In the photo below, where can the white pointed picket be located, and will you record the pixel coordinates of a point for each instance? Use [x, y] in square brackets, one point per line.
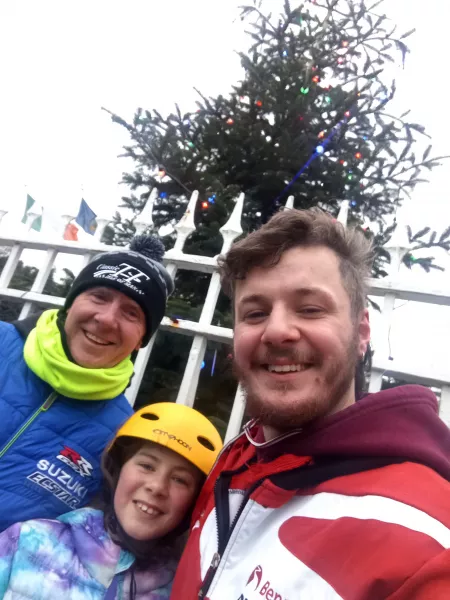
[145, 219]
[102, 223]
[188, 387]
[185, 225]
[290, 202]
[40, 280]
[10, 265]
[236, 416]
[183, 229]
[397, 247]
[3, 212]
[343, 213]
[230, 231]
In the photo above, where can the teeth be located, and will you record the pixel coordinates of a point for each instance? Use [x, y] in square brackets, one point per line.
[286, 368]
[147, 509]
[94, 338]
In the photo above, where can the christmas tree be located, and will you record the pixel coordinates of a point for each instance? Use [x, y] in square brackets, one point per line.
[310, 118]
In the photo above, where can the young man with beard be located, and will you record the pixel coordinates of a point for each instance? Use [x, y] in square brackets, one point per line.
[62, 380]
[320, 496]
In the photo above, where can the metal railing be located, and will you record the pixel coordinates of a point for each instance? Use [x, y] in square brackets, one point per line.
[390, 288]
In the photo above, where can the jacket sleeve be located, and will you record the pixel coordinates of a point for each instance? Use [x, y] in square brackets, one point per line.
[431, 581]
[9, 542]
[8, 341]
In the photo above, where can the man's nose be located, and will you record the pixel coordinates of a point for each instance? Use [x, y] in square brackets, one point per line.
[281, 328]
[107, 315]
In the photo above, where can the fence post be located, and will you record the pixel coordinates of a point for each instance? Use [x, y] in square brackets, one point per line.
[237, 415]
[10, 265]
[184, 228]
[2, 214]
[397, 247]
[343, 213]
[145, 219]
[230, 231]
[40, 281]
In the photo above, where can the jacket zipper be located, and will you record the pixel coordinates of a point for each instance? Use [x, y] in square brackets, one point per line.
[47, 404]
[224, 530]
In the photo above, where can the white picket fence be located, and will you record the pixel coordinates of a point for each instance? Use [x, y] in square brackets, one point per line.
[389, 288]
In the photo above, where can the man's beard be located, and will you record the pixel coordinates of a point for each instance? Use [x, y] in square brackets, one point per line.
[336, 381]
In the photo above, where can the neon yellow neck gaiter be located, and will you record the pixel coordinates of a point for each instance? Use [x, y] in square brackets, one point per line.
[44, 354]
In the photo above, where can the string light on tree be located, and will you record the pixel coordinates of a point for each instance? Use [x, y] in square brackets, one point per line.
[212, 199]
[205, 204]
[230, 121]
[258, 103]
[304, 90]
[321, 135]
[344, 43]
[358, 155]
[284, 53]
[340, 60]
[161, 172]
[320, 149]
[163, 194]
[316, 79]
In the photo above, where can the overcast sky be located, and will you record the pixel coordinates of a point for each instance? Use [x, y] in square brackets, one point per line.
[61, 61]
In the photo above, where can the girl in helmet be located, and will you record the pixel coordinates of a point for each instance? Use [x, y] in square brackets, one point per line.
[153, 471]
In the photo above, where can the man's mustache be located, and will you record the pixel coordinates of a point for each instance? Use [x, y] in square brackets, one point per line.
[293, 356]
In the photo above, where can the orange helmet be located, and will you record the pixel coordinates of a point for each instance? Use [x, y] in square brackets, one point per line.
[180, 428]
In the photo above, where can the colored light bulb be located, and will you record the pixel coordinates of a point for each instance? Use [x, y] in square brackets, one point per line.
[321, 135]
[358, 155]
[316, 79]
[205, 204]
[258, 103]
[230, 121]
[320, 149]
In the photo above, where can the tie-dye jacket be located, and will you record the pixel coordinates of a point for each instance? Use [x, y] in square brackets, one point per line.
[73, 558]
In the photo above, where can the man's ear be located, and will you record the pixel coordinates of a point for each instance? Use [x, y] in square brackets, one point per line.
[363, 332]
[139, 346]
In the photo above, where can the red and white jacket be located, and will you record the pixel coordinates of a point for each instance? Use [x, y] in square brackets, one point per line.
[355, 507]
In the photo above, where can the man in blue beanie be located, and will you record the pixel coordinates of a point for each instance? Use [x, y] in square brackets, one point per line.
[62, 380]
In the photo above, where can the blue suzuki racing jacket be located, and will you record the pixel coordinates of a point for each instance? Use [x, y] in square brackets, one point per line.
[50, 445]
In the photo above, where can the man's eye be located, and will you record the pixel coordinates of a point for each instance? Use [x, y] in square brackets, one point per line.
[254, 315]
[311, 310]
[99, 297]
[132, 315]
